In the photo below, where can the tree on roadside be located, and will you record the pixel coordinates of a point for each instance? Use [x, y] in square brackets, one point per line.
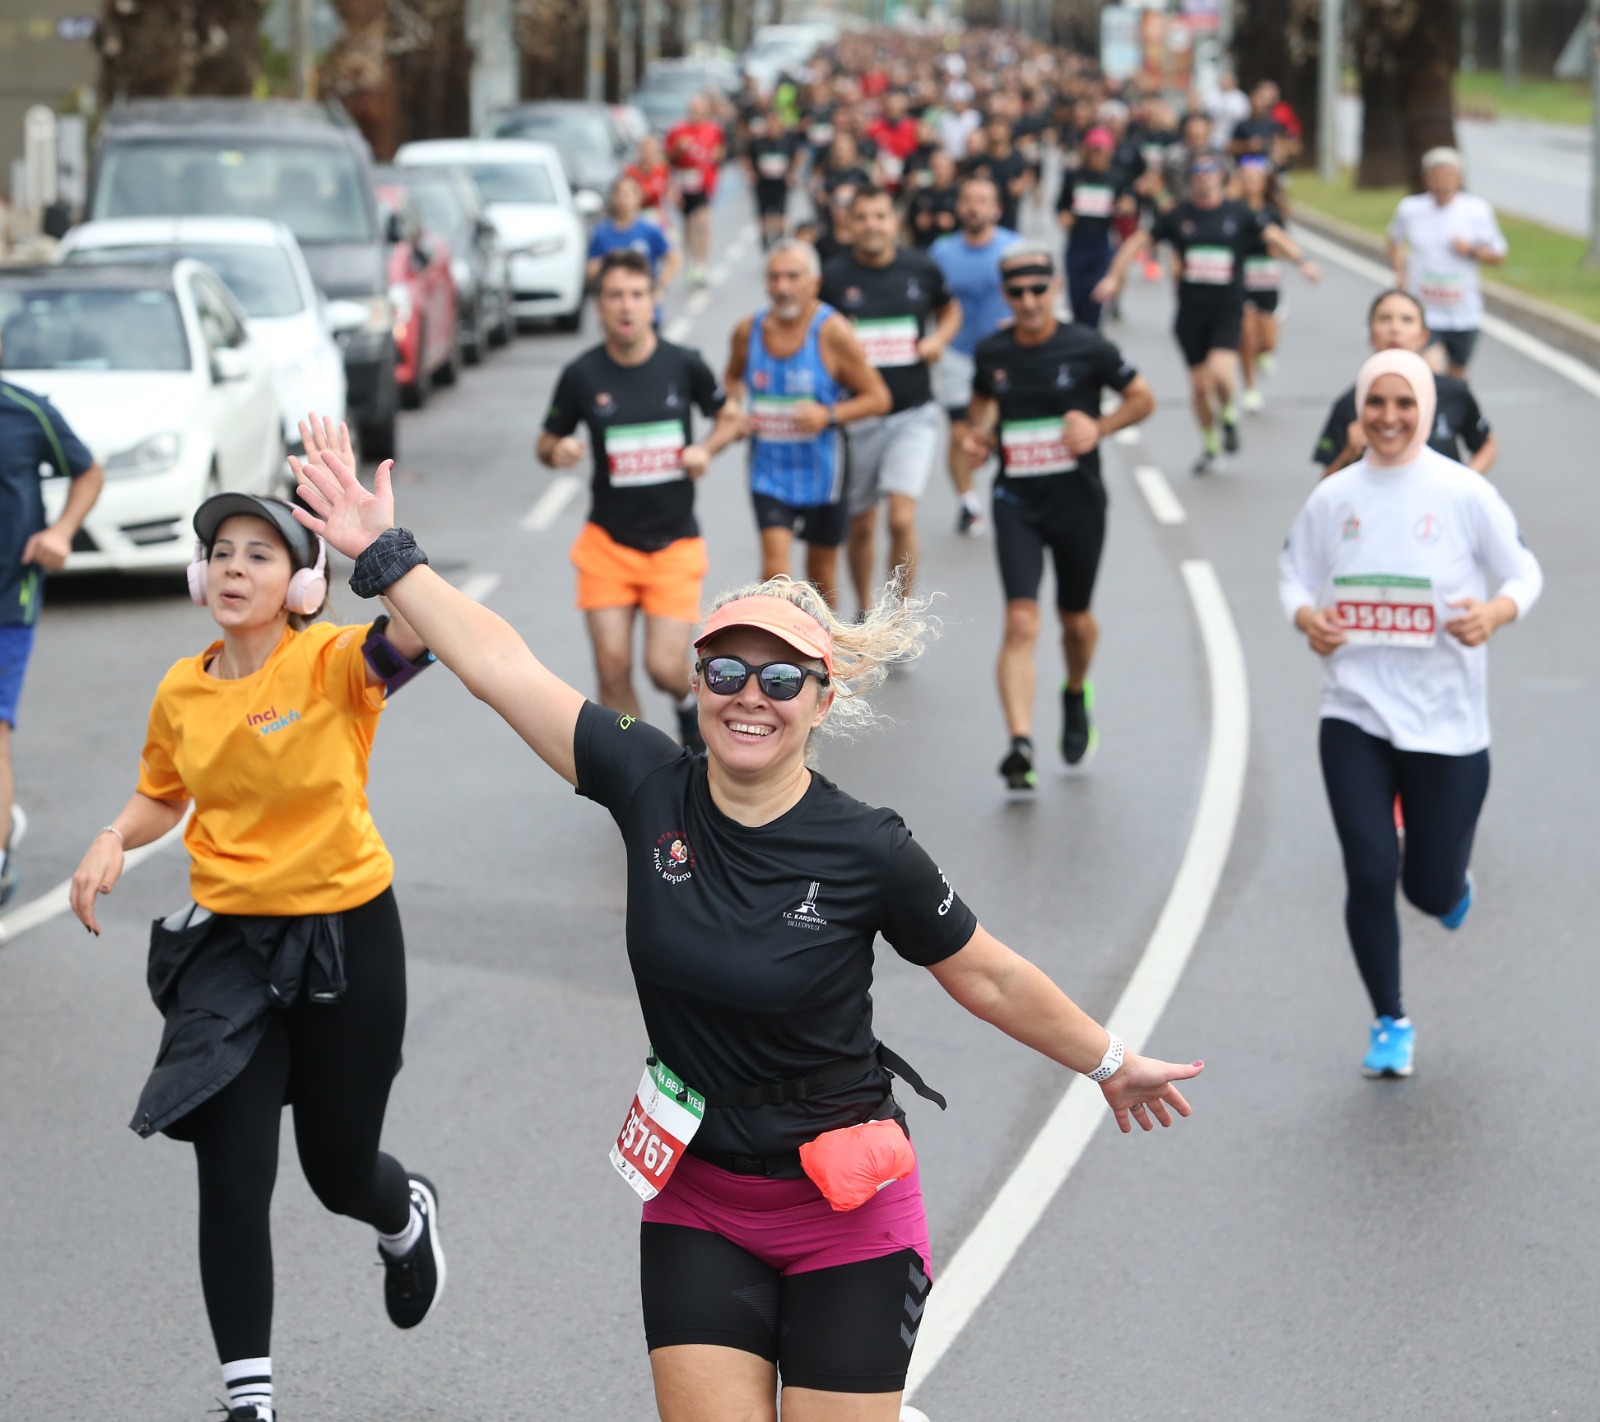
[162, 48]
[1406, 54]
[1281, 40]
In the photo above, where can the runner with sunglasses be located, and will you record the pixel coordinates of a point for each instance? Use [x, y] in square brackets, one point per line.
[285, 980]
[1036, 394]
[765, 1122]
[1211, 236]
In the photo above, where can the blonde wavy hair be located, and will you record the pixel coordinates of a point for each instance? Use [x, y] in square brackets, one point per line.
[896, 628]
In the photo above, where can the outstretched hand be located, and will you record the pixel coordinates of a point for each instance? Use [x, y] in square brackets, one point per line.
[348, 516]
[1143, 1092]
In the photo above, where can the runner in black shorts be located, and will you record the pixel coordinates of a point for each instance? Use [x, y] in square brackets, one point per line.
[1036, 394]
[1211, 237]
[771, 157]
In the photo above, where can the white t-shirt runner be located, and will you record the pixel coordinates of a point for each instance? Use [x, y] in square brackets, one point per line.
[1389, 550]
[1448, 284]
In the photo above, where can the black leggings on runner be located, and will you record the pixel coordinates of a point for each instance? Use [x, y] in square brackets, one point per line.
[848, 1328]
[1440, 797]
[335, 1062]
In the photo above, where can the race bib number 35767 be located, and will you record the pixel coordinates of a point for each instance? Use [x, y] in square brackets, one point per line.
[661, 1122]
[1385, 610]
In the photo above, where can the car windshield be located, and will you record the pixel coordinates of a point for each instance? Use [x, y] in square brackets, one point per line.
[514, 182]
[575, 134]
[320, 194]
[262, 278]
[91, 328]
[441, 213]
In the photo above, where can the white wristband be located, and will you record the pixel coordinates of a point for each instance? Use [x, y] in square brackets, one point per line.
[1111, 1063]
[112, 829]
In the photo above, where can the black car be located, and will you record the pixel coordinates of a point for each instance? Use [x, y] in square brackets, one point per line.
[305, 165]
[453, 210]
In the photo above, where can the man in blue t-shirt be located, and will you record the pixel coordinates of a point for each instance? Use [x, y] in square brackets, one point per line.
[970, 260]
[35, 444]
[626, 228]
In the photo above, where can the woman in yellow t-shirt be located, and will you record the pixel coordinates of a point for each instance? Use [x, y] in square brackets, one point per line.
[285, 980]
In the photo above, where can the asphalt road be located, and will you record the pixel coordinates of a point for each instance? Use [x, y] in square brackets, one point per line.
[1309, 1245]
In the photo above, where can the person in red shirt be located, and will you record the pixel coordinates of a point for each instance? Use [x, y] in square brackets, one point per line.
[895, 133]
[695, 151]
[650, 171]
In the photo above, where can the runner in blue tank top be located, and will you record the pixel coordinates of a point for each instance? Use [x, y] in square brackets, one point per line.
[798, 372]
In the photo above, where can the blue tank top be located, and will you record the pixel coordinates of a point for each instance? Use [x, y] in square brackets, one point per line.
[802, 470]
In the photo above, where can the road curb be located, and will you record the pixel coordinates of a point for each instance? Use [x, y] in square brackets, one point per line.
[1549, 323]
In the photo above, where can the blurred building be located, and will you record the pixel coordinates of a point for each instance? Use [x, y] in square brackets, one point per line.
[47, 56]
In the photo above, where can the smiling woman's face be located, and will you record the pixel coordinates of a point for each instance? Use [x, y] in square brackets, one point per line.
[751, 733]
[1389, 416]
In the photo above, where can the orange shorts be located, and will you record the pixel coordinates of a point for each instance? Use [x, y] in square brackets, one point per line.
[664, 584]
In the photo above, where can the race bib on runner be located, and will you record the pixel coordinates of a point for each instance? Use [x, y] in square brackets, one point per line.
[819, 134]
[662, 1120]
[772, 419]
[1385, 610]
[1035, 447]
[1262, 274]
[891, 341]
[1092, 200]
[772, 165]
[645, 454]
[891, 165]
[691, 180]
[1208, 266]
[1443, 290]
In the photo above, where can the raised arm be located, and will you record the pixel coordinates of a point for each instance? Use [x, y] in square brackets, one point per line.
[480, 647]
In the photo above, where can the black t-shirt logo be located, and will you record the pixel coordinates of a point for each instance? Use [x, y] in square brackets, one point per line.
[1064, 377]
[603, 402]
[913, 290]
[674, 858]
[671, 400]
[999, 379]
[807, 915]
[852, 296]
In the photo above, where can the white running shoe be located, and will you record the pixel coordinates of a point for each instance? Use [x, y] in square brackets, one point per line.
[913, 1414]
[1252, 401]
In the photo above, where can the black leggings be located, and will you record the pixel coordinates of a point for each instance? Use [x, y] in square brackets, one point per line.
[335, 1063]
[1440, 797]
[849, 1328]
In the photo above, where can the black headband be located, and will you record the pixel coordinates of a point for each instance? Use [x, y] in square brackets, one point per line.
[1028, 267]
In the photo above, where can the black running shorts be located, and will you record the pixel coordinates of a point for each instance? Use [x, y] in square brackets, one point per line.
[822, 524]
[1201, 329]
[1070, 522]
[842, 1329]
[772, 198]
[1266, 302]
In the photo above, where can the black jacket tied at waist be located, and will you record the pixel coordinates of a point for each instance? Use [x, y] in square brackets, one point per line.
[215, 978]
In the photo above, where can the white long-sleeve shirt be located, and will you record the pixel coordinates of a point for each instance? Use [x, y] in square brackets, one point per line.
[1390, 549]
[1447, 284]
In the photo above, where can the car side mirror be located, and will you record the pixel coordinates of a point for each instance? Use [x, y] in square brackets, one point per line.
[588, 204]
[228, 365]
[346, 316]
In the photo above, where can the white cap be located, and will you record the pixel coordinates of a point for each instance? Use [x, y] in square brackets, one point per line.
[1441, 158]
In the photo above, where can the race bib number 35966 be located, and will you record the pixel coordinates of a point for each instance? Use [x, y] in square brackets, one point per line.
[661, 1122]
[1385, 610]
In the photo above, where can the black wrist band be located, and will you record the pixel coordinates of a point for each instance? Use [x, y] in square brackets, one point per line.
[387, 559]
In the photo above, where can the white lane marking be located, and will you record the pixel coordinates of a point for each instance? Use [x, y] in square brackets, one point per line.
[1158, 494]
[1021, 1202]
[717, 275]
[697, 303]
[551, 502]
[1585, 377]
[57, 901]
[480, 585]
[1128, 435]
[677, 328]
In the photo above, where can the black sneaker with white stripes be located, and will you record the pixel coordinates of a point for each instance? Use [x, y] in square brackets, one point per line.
[414, 1281]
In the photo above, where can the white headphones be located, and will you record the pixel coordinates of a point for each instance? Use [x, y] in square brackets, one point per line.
[306, 591]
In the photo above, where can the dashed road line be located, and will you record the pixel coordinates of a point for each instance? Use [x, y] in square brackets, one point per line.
[1164, 505]
[697, 303]
[480, 585]
[678, 328]
[551, 502]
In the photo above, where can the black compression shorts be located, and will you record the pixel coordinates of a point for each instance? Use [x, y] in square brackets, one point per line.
[841, 1329]
[1203, 329]
[772, 198]
[1071, 523]
[822, 524]
[1266, 302]
[693, 202]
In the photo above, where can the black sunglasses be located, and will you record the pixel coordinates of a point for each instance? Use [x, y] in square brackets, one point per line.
[1032, 288]
[782, 681]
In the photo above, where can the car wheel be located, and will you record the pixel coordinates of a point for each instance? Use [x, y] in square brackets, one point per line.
[377, 440]
[413, 395]
[446, 373]
[572, 320]
[503, 329]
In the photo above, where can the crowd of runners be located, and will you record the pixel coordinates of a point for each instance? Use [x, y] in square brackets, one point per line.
[914, 322]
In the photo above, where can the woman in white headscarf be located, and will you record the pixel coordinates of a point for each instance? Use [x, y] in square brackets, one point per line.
[1388, 571]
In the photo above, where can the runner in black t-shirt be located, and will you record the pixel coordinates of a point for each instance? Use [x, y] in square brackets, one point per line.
[891, 294]
[1210, 237]
[931, 208]
[1007, 169]
[1396, 321]
[756, 889]
[771, 157]
[1036, 397]
[641, 548]
[1088, 202]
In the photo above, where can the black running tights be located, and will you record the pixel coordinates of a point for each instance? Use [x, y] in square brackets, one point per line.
[1440, 797]
[335, 1063]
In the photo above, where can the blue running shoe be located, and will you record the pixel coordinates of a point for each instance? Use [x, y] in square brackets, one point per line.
[1390, 1047]
[1454, 919]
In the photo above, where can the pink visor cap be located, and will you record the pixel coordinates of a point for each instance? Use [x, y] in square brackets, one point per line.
[778, 616]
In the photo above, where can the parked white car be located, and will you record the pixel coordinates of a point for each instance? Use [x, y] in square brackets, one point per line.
[530, 203]
[263, 267]
[155, 370]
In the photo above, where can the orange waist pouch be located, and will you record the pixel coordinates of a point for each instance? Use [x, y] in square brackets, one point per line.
[850, 1165]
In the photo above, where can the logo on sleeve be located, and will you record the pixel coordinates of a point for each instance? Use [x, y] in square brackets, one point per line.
[674, 858]
[807, 915]
[949, 896]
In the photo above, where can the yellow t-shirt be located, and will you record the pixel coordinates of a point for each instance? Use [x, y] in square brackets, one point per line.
[276, 764]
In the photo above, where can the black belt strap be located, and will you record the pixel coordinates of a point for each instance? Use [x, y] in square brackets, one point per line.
[778, 1093]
